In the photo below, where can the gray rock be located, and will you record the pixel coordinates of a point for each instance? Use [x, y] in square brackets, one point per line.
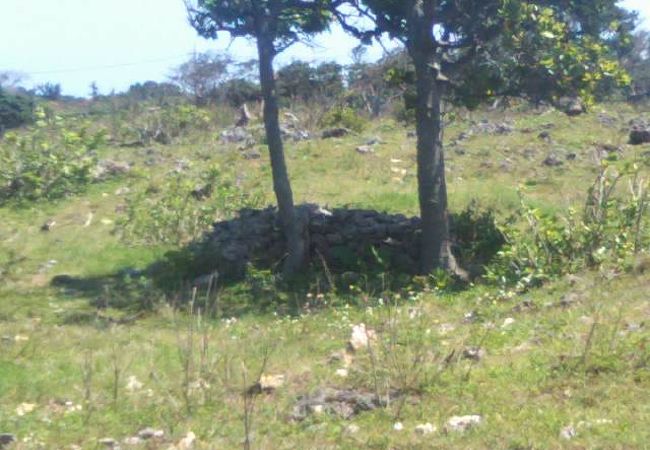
[6, 439]
[150, 433]
[109, 443]
[110, 168]
[365, 149]
[474, 353]
[345, 403]
[572, 106]
[251, 154]
[639, 132]
[48, 225]
[236, 135]
[460, 424]
[552, 160]
[335, 133]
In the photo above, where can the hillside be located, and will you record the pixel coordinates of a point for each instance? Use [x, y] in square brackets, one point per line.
[95, 349]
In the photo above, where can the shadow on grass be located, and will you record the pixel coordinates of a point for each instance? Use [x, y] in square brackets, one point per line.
[232, 270]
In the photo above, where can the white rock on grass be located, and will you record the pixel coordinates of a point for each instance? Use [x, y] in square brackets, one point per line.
[108, 443]
[398, 426]
[361, 337]
[343, 373]
[568, 433]
[425, 428]
[461, 424]
[352, 429]
[25, 408]
[187, 442]
[133, 441]
[269, 383]
[507, 322]
[133, 384]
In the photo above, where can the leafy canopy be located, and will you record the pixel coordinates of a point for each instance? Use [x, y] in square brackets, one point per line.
[285, 21]
[542, 49]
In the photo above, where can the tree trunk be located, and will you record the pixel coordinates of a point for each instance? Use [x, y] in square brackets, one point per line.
[281, 184]
[435, 246]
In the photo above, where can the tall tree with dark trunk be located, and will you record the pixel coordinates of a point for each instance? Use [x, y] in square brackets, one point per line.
[275, 25]
[471, 50]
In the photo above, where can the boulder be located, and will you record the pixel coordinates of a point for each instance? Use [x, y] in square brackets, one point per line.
[338, 132]
[639, 133]
[572, 106]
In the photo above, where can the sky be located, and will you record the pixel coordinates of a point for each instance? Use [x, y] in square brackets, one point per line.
[116, 43]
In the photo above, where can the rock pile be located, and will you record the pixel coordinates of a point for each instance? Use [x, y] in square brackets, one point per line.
[639, 132]
[341, 237]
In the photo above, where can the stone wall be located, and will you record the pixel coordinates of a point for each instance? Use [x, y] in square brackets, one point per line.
[342, 238]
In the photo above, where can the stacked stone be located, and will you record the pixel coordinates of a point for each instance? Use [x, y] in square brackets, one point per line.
[255, 237]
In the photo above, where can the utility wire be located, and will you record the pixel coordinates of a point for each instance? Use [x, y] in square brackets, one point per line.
[110, 66]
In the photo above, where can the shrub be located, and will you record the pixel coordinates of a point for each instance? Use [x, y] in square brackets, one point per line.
[346, 117]
[50, 163]
[184, 209]
[609, 233]
[15, 110]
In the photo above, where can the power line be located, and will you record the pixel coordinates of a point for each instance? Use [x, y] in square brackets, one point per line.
[110, 66]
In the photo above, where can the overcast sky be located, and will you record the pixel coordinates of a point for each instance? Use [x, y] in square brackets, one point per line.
[119, 42]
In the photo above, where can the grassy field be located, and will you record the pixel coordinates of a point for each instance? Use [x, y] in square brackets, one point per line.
[566, 365]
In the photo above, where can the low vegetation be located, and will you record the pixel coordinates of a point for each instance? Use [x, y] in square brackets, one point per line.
[547, 348]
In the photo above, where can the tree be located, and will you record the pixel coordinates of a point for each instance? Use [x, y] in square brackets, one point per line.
[94, 90]
[275, 25]
[49, 91]
[201, 75]
[472, 50]
[160, 93]
[637, 63]
[373, 86]
[10, 79]
[15, 110]
[299, 81]
[238, 91]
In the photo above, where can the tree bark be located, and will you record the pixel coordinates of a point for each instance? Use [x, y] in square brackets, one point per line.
[281, 184]
[435, 246]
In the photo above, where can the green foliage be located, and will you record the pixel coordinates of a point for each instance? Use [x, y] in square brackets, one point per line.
[538, 50]
[290, 20]
[15, 110]
[52, 162]
[49, 91]
[180, 210]
[476, 235]
[608, 233]
[159, 93]
[637, 63]
[238, 91]
[346, 117]
[201, 75]
[551, 58]
[300, 81]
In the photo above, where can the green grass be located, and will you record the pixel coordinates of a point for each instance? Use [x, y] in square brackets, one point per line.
[584, 364]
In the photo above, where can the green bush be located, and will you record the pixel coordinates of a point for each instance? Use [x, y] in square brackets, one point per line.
[15, 110]
[51, 162]
[345, 117]
[183, 209]
[608, 233]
